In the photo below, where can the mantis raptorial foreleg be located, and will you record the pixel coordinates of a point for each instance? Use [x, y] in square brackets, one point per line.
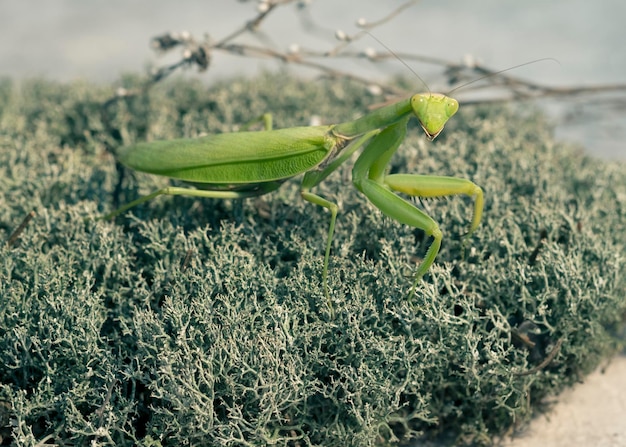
[438, 186]
[369, 177]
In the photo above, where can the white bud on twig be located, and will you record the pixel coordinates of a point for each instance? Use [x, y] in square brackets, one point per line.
[469, 61]
[263, 6]
[340, 35]
[361, 22]
[374, 90]
[370, 53]
[315, 120]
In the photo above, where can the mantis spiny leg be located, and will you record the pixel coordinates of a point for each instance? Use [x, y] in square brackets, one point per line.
[369, 177]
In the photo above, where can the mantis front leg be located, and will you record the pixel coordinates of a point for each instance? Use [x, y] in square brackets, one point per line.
[369, 177]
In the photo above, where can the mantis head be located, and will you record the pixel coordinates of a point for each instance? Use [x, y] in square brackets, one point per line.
[433, 110]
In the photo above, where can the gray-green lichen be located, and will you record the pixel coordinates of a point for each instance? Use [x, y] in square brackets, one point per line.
[203, 322]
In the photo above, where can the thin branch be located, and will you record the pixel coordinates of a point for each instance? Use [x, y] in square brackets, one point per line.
[366, 27]
[18, 231]
[199, 54]
[555, 350]
[251, 25]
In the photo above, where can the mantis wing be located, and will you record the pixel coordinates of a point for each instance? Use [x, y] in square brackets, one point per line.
[231, 158]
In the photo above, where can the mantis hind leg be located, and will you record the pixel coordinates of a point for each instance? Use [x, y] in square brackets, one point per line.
[253, 191]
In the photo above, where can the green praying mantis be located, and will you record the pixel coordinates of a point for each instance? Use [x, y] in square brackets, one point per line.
[247, 164]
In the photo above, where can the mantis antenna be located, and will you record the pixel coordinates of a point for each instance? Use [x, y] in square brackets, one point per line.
[502, 71]
[400, 59]
[462, 85]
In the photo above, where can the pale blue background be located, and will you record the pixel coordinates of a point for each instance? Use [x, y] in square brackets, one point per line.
[97, 40]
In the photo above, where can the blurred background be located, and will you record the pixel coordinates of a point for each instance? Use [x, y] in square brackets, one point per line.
[96, 40]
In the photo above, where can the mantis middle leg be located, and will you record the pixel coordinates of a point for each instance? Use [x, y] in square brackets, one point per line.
[314, 178]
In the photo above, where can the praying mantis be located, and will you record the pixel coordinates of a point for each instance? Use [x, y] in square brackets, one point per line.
[247, 164]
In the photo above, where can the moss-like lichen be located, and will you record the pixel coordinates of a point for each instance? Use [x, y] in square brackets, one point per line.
[203, 322]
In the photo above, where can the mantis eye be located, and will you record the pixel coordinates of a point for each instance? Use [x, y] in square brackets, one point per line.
[419, 104]
[452, 106]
